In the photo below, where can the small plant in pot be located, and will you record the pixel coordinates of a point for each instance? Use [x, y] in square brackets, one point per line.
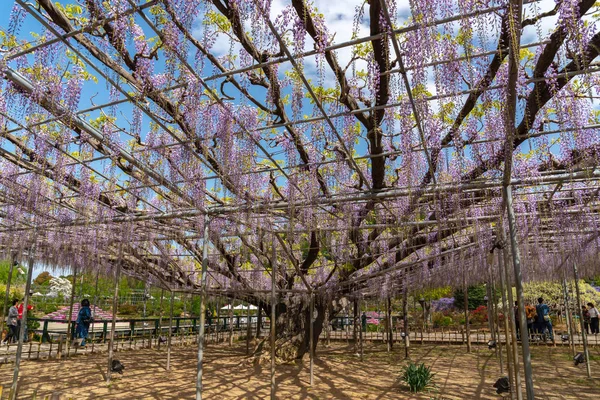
[418, 377]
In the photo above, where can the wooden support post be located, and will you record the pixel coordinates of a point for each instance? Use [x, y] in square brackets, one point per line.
[111, 342]
[466, 310]
[14, 387]
[199, 386]
[218, 325]
[496, 324]
[311, 339]
[13, 263]
[583, 333]
[512, 323]
[160, 316]
[259, 321]
[390, 339]
[70, 316]
[361, 344]
[514, 17]
[248, 330]
[94, 309]
[273, 318]
[505, 311]
[327, 325]
[356, 326]
[230, 312]
[405, 317]
[568, 316]
[170, 332]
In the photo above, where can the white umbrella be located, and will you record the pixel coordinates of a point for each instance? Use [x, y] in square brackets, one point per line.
[37, 294]
[227, 307]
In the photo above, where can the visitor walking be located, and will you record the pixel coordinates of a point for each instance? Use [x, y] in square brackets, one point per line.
[585, 317]
[84, 319]
[543, 318]
[12, 322]
[363, 319]
[19, 323]
[530, 313]
[593, 319]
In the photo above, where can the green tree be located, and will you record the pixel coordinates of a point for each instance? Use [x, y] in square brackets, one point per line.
[476, 297]
[43, 278]
[19, 273]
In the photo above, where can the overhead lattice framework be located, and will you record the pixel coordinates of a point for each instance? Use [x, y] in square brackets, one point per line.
[365, 144]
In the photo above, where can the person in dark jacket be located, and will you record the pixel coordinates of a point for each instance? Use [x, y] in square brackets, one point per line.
[84, 319]
[543, 318]
[585, 315]
[12, 322]
[363, 320]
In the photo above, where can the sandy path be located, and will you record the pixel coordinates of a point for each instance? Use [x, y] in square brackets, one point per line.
[338, 375]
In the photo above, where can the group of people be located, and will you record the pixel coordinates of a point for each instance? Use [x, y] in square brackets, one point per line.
[539, 321]
[590, 317]
[13, 321]
[15, 316]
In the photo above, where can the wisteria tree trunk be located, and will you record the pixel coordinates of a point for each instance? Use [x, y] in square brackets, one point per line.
[293, 339]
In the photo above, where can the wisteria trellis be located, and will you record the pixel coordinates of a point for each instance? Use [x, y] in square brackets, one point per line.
[371, 159]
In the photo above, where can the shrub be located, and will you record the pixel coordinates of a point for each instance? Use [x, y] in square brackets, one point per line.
[442, 320]
[479, 315]
[418, 377]
[127, 309]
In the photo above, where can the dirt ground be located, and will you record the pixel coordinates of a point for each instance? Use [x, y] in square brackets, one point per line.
[338, 375]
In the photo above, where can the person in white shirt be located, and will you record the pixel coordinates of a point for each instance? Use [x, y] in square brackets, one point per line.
[593, 318]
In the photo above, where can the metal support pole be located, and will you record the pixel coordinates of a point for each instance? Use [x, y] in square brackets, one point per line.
[273, 318]
[583, 333]
[505, 311]
[202, 311]
[14, 387]
[311, 339]
[70, 318]
[111, 342]
[170, 332]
